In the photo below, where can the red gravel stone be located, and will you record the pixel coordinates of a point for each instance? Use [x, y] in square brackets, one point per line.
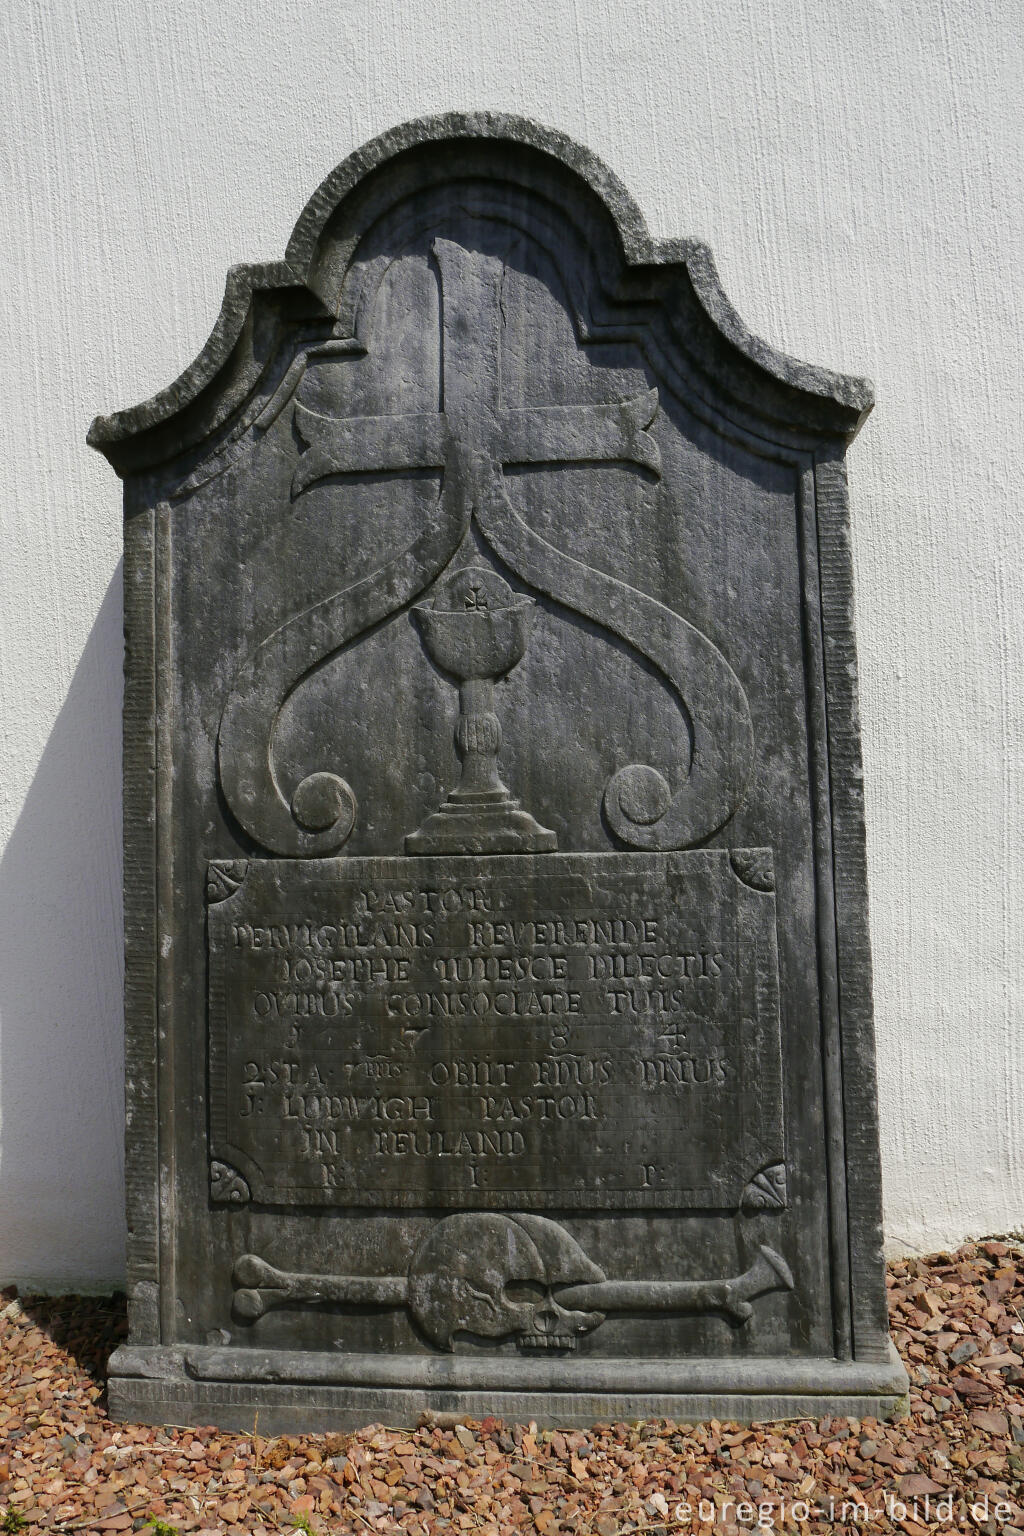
[65, 1467]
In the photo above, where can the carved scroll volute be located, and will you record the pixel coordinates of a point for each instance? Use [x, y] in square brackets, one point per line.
[317, 817]
[638, 801]
[470, 440]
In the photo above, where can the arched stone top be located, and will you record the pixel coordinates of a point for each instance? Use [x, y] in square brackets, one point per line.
[797, 395]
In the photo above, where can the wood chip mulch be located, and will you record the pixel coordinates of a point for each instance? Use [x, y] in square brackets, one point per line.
[956, 1463]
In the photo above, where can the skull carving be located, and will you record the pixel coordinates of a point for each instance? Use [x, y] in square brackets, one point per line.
[495, 1276]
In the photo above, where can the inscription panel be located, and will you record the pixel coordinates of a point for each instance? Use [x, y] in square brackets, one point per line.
[540, 1031]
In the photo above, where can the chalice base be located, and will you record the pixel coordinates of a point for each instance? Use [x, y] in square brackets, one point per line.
[498, 826]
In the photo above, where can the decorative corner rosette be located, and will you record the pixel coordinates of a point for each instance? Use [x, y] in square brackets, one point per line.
[223, 878]
[767, 1190]
[227, 1186]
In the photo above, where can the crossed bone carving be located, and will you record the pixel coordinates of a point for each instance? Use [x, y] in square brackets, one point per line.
[499, 1275]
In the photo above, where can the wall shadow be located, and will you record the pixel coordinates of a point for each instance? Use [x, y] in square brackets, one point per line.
[87, 1329]
[61, 1033]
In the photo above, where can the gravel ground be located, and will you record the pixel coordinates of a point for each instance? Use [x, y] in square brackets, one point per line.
[956, 1463]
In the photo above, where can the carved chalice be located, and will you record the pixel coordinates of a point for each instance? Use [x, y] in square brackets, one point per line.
[477, 629]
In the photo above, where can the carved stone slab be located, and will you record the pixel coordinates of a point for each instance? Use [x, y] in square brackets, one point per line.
[497, 985]
[371, 1018]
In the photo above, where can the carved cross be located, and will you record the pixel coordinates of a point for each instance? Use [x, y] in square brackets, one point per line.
[474, 435]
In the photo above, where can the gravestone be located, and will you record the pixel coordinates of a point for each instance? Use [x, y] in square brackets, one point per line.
[499, 1033]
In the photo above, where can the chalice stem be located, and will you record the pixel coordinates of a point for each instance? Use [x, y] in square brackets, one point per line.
[476, 630]
[478, 738]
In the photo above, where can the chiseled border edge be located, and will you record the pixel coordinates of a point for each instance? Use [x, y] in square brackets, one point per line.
[139, 761]
[859, 1102]
[854, 396]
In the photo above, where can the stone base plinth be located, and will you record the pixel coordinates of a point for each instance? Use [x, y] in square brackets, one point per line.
[471, 828]
[314, 1393]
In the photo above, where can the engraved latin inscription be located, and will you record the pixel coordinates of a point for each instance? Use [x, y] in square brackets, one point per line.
[569, 1030]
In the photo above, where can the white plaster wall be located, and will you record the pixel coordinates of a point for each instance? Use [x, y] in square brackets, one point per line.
[857, 170]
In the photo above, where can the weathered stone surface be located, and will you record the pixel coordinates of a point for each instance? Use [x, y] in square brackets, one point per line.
[379, 1023]
[498, 992]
